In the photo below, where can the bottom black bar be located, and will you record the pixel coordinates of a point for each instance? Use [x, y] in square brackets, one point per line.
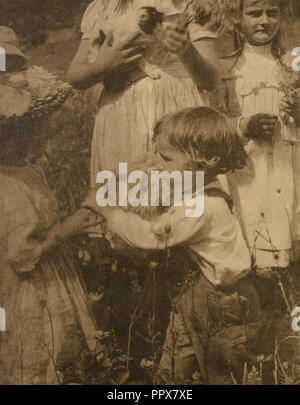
[140, 394]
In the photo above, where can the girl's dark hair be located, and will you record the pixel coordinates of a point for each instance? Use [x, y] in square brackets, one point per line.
[203, 132]
[16, 139]
[277, 46]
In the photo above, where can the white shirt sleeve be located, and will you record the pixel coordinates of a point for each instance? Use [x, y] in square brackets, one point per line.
[170, 229]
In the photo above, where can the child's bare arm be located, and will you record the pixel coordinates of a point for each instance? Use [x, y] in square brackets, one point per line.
[71, 226]
[201, 61]
[200, 58]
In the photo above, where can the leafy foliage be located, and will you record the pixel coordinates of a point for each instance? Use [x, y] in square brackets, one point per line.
[32, 19]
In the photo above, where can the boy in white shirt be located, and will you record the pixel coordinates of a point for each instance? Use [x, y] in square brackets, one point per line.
[216, 313]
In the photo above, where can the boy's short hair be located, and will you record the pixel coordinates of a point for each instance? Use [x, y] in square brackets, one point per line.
[203, 132]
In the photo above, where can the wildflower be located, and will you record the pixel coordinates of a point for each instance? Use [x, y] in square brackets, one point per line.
[109, 237]
[254, 377]
[99, 334]
[114, 266]
[158, 230]
[102, 335]
[153, 265]
[95, 297]
[260, 358]
[290, 82]
[84, 257]
[147, 363]
[196, 376]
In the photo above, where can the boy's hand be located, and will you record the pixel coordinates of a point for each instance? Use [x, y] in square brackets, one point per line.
[259, 126]
[177, 37]
[73, 225]
[80, 221]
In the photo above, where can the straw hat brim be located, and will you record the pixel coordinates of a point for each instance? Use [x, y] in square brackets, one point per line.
[31, 95]
[11, 49]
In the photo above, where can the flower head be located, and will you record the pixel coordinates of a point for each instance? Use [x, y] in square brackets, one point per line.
[147, 363]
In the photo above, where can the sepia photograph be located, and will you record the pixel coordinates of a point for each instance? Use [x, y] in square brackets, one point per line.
[149, 195]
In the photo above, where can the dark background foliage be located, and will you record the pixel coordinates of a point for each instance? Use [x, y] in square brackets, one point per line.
[33, 18]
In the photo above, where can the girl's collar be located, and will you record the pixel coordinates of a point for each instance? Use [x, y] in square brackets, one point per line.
[264, 50]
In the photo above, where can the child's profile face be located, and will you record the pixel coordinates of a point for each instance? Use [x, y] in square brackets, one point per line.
[173, 158]
[260, 20]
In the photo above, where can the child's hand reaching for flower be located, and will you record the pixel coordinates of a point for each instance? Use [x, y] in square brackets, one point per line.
[73, 225]
[259, 126]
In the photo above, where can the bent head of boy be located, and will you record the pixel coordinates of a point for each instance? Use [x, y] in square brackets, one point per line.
[191, 141]
[199, 139]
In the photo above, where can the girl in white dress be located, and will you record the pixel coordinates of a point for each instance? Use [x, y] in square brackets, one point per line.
[129, 110]
[264, 192]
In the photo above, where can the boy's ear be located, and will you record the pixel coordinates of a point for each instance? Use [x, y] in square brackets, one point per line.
[212, 162]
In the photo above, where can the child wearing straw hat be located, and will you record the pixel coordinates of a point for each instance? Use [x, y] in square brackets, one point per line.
[48, 320]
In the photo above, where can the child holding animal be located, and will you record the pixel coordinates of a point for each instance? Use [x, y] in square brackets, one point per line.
[184, 62]
[216, 313]
[49, 324]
